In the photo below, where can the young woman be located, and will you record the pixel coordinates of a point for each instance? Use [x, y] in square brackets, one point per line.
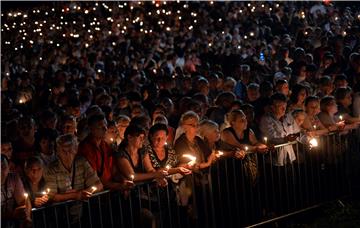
[34, 183]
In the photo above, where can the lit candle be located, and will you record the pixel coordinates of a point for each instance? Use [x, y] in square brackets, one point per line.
[219, 153]
[26, 196]
[341, 117]
[48, 190]
[112, 139]
[191, 157]
[313, 142]
[265, 139]
[132, 177]
[167, 167]
[93, 189]
[314, 127]
[246, 148]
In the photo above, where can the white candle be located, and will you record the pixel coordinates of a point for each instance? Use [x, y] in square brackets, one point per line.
[167, 167]
[93, 189]
[132, 177]
[265, 139]
[341, 117]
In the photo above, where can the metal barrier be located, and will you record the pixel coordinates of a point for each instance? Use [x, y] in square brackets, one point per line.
[231, 194]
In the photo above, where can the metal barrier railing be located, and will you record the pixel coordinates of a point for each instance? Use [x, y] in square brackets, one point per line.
[231, 194]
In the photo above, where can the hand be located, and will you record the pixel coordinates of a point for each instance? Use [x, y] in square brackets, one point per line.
[340, 125]
[83, 195]
[239, 154]
[291, 137]
[40, 201]
[183, 171]
[126, 185]
[161, 182]
[212, 158]
[262, 148]
[20, 212]
[161, 174]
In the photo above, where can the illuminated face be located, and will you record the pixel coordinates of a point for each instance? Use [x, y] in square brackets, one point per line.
[158, 139]
[136, 141]
[213, 135]
[301, 96]
[121, 127]
[299, 119]
[34, 173]
[67, 152]
[279, 108]
[313, 108]
[240, 122]
[191, 126]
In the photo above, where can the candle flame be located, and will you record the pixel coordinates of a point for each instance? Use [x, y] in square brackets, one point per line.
[26, 195]
[167, 167]
[191, 157]
[132, 177]
[265, 139]
[341, 117]
[93, 189]
[313, 142]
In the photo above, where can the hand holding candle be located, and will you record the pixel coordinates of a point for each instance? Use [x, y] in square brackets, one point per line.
[219, 154]
[192, 159]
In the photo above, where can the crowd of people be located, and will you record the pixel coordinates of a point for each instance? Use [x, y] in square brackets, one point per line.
[106, 95]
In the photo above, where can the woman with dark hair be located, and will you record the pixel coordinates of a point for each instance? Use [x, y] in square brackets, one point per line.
[34, 183]
[297, 97]
[162, 155]
[132, 162]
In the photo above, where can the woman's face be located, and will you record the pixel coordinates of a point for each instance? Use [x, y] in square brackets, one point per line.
[332, 108]
[34, 173]
[213, 135]
[299, 119]
[301, 96]
[240, 122]
[313, 108]
[121, 127]
[136, 141]
[158, 139]
[191, 127]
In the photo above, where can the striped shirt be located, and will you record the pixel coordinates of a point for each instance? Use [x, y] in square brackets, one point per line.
[60, 180]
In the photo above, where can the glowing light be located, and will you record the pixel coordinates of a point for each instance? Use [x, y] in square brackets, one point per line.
[191, 157]
[93, 189]
[265, 139]
[132, 177]
[313, 142]
[341, 117]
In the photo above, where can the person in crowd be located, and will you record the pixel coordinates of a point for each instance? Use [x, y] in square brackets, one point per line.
[99, 153]
[68, 125]
[70, 177]
[24, 147]
[7, 150]
[343, 98]
[13, 201]
[282, 86]
[45, 142]
[190, 143]
[272, 126]
[131, 162]
[34, 183]
[209, 131]
[162, 155]
[122, 122]
[312, 123]
[327, 115]
[297, 97]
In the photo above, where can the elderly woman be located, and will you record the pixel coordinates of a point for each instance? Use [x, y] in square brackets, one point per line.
[209, 131]
[239, 135]
[190, 143]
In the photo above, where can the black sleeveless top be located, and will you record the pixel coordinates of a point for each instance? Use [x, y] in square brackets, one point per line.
[244, 140]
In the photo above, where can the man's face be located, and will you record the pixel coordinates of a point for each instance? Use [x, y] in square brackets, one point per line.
[67, 152]
[99, 128]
